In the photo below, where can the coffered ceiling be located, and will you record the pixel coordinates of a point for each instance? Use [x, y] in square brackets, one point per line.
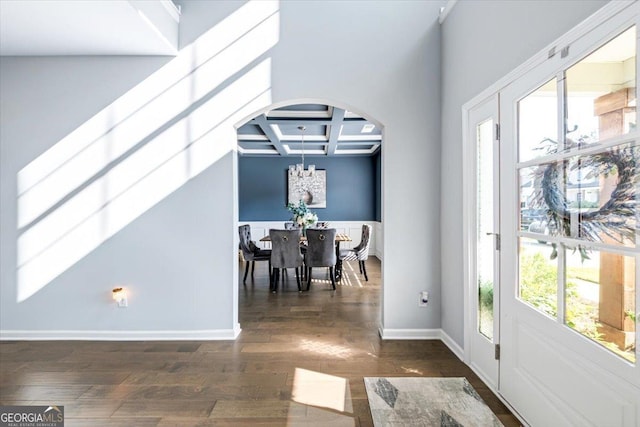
[329, 131]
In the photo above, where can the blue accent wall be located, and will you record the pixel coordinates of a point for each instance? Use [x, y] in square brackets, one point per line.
[353, 188]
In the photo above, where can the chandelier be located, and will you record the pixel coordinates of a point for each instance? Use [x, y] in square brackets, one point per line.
[298, 169]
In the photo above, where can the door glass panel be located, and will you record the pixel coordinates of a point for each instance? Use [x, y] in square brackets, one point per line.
[538, 122]
[538, 275]
[600, 299]
[600, 195]
[533, 207]
[484, 219]
[590, 197]
[601, 92]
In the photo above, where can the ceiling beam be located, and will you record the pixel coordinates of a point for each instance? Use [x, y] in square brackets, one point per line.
[253, 144]
[261, 121]
[334, 134]
[365, 143]
[307, 121]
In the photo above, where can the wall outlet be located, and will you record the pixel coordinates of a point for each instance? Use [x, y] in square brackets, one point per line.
[423, 299]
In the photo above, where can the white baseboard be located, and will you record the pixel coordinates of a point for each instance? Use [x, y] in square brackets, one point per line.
[453, 346]
[409, 334]
[203, 335]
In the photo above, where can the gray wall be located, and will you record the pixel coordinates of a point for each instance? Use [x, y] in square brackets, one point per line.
[483, 41]
[178, 258]
[352, 188]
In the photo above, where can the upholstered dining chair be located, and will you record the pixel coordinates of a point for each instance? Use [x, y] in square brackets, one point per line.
[290, 225]
[321, 252]
[360, 252]
[285, 253]
[250, 252]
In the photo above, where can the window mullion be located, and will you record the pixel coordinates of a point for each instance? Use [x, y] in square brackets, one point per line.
[562, 110]
[562, 148]
[561, 282]
[595, 148]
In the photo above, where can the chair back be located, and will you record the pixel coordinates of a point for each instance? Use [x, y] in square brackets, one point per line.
[245, 242]
[362, 250]
[285, 248]
[321, 247]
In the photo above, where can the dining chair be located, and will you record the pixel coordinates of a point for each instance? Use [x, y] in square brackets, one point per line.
[321, 252]
[290, 225]
[285, 253]
[250, 252]
[360, 252]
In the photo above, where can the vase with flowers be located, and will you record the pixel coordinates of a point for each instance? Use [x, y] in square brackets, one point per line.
[302, 216]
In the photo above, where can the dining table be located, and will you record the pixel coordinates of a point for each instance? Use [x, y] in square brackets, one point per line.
[340, 237]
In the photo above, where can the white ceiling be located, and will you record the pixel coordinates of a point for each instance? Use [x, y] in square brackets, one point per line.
[88, 27]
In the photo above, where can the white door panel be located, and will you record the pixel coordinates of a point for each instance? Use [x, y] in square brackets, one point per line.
[555, 370]
[483, 227]
[561, 377]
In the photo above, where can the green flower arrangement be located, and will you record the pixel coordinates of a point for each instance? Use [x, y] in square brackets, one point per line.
[302, 216]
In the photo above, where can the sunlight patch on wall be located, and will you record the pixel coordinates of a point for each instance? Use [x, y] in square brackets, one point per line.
[143, 147]
[121, 126]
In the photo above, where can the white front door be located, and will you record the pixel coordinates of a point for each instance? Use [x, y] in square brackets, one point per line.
[481, 180]
[570, 174]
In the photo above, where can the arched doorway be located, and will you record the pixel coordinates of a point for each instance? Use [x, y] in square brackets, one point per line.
[343, 144]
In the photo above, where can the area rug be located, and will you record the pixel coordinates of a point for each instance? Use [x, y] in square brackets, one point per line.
[443, 402]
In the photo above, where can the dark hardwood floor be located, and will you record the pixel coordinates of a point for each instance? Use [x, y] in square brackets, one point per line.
[300, 360]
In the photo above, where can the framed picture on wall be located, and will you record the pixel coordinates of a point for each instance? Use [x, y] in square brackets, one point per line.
[310, 188]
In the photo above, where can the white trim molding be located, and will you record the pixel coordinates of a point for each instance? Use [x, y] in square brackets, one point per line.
[453, 346]
[409, 334]
[201, 335]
